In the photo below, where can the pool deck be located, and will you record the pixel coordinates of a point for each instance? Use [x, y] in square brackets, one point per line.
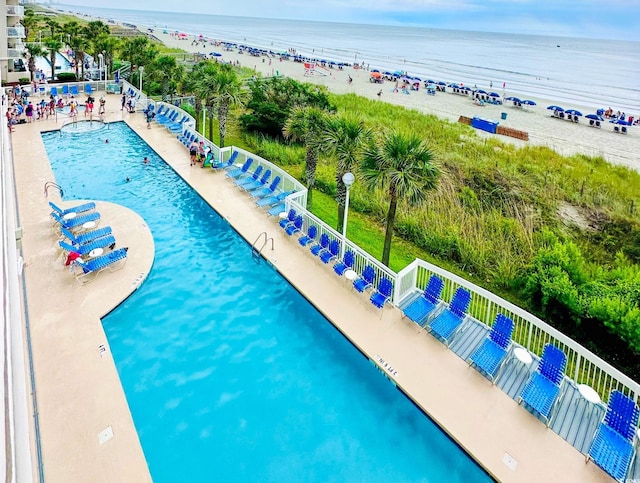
[79, 392]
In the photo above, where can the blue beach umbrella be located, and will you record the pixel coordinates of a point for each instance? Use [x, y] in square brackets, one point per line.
[216, 54]
[595, 117]
[555, 108]
[621, 122]
[512, 98]
[441, 83]
[573, 112]
[528, 102]
[375, 70]
[494, 94]
[480, 91]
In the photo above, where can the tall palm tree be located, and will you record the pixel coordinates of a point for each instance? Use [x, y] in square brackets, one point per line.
[345, 138]
[227, 92]
[53, 46]
[191, 84]
[34, 50]
[403, 166]
[79, 45]
[306, 124]
[166, 71]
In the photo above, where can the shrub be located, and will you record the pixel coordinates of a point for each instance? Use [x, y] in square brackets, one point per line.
[66, 77]
[24, 80]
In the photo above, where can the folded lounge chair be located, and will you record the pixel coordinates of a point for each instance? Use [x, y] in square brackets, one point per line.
[447, 323]
[382, 295]
[491, 353]
[541, 391]
[347, 262]
[91, 268]
[310, 237]
[74, 209]
[420, 309]
[365, 281]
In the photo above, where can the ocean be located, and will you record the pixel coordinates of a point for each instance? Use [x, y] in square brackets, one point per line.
[572, 72]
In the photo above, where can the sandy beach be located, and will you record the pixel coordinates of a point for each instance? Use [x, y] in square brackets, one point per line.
[560, 135]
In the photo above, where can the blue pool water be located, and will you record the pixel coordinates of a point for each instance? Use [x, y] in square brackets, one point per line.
[230, 374]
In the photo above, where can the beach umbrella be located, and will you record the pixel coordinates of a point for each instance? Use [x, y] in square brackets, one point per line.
[512, 98]
[555, 108]
[442, 83]
[621, 122]
[573, 112]
[417, 79]
[494, 94]
[216, 54]
[480, 91]
[375, 74]
[452, 85]
[375, 70]
[398, 73]
[595, 117]
[429, 81]
[528, 102]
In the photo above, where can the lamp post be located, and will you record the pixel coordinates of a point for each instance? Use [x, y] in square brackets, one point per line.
[104, 64]
[347, 179]
[141, 71]
[100, 67]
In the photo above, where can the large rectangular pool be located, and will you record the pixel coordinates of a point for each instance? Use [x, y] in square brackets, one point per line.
[230, 374]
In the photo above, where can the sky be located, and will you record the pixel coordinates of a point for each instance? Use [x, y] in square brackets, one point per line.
[610, 19]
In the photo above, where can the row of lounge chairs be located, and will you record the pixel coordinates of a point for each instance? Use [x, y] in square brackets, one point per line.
[67, 90]
[612, 448]
[169, 117]
[328, 252]
[78, 246]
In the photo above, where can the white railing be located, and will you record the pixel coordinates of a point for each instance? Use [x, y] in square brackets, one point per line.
[583, 366]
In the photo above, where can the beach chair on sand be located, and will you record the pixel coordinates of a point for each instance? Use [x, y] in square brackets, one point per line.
[491, 353]
[91, 268]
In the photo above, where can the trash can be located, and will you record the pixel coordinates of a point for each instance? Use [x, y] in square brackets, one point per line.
[504, 115]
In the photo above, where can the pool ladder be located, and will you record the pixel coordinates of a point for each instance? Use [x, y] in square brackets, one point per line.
[257, 252]
[51, 184]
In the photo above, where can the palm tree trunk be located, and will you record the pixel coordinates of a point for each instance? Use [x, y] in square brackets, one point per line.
[310, 172]
[210, 120]
[341, 198]
[52, 58]
[223, 111]
[388, 235]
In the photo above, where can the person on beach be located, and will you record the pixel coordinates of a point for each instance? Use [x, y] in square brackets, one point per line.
[380, 93]
[350, 80]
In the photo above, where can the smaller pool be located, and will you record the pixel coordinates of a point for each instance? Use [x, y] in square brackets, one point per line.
[82, 127]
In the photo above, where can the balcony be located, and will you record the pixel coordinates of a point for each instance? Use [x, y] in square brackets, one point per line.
[16, 10]
[16, 32]
[15, 52]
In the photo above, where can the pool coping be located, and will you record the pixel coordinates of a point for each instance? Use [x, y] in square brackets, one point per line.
[488, 429]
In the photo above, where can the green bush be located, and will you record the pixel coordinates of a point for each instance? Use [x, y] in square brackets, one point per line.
[24, 80]
[66, 77]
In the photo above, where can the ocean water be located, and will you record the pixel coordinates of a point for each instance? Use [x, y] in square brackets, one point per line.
[571, 71]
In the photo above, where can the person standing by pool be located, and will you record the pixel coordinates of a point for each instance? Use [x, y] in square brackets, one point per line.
[193, 152]
[29, 112]
[123, 101]
[102, 109]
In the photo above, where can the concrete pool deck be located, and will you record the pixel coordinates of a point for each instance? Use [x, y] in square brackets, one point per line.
[78, 388]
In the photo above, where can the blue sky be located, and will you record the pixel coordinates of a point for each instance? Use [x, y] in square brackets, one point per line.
[576, 18]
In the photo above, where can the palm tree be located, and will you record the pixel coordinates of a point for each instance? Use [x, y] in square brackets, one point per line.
[166, 71]
[306, 124]
[53, 46]
[191, 83]
[79, 45]
[227, 92]
[34, 50]
[345, 138]
[403, 166]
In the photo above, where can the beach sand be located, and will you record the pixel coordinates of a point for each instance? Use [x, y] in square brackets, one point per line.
[560, 135]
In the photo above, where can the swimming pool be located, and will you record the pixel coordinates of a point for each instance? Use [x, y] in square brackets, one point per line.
[230, 374]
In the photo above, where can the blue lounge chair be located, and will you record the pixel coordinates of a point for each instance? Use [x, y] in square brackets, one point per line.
[74, 91]
[103, 242]
[249, 178]
[310, 237]
[491, 353]
[331, 253]
[258, 183]
[229, 165]
[291, 216]
[77, 221]
[347, 262]
[88, 89]
[382, 295]
[274, 199]
[365, 281]
[267, 190]
[612, 448]
[323, 244]
[447, 323]
[65, 90]
[295, 227]
[541, 391]
[74, 209]
[87, 237]
[236, 173]
[177, 126]
[91, 268]
[53, 91]
[420, 309]
[169, 118]
[276, 209]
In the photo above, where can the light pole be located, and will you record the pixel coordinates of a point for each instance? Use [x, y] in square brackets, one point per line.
[141, 70]
[104, 64]
[347, 179]
[101, 57]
